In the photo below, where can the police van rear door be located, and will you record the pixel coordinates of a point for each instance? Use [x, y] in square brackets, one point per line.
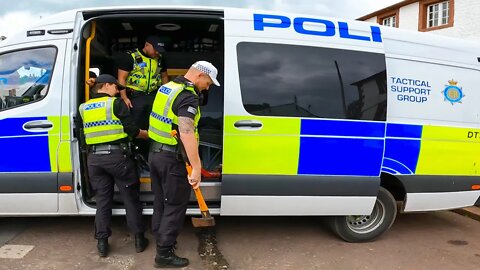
[305, 110]
[31, 77]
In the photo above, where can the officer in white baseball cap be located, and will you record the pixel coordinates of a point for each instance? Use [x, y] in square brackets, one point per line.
[176, 107]
[209, 69]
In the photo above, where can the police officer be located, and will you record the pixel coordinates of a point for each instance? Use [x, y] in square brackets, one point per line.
[176, 107]
[107, 128]
[142, 71]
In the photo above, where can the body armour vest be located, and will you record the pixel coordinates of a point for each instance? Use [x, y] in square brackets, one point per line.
[100, 125]
[145, 75]
[162, 117]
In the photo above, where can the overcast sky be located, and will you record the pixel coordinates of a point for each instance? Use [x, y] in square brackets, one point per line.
[18, 14]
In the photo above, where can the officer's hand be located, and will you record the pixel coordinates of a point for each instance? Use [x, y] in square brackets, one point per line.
[195, 178]
[91, 82]
[143, 134]
[128, 102]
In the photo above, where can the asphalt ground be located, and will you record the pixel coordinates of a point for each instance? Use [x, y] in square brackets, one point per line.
[439, 240]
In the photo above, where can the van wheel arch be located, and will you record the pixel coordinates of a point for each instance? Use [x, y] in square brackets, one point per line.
[394, 185]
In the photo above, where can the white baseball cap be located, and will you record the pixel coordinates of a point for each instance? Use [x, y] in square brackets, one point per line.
[207, 68]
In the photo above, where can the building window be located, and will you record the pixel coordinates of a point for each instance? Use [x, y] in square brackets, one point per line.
[389, 21]
[435, 14]
[389, 18]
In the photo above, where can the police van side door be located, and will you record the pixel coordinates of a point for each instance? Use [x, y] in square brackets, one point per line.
[304, 128]
[31, 76]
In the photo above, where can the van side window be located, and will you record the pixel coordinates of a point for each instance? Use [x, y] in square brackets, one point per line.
[25, 76]
[302, 81]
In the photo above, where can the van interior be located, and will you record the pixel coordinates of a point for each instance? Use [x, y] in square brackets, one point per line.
[188, 37]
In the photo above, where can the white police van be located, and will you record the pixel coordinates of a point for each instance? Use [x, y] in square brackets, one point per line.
[315, 116]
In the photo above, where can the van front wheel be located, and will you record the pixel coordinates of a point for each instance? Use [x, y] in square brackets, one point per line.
[366, 228]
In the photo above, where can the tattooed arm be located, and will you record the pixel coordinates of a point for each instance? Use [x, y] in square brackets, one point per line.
[187, 135]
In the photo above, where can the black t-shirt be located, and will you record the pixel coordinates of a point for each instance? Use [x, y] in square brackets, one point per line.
[186, 103]
[125, 61]
[123, 113]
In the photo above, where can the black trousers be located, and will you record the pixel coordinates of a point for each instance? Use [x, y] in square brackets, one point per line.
[105, 171]
[172, 192]
[140, 112]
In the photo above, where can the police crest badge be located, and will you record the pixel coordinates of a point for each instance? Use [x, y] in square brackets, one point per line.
[453, 93]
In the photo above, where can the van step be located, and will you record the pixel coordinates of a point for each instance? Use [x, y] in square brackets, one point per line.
[211, 192]
[145, 184]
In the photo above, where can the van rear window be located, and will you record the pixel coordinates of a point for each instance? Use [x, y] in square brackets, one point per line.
[301, 81]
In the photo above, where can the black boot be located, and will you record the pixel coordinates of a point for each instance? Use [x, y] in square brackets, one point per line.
[168, 259]
[102, 247]
[141, 242]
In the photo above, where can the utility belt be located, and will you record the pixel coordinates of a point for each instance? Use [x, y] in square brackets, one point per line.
[135, 93]
[105, 149]
[157, 147]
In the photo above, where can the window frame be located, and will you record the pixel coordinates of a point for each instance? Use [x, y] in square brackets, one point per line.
[395, 13]
[341, 92]
[424, 15]
[47, 90]
[391, 21]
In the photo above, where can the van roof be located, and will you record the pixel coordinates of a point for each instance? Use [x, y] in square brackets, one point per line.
[66, 19]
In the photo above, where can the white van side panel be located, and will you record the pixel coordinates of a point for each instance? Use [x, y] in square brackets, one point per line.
[418, 79]
[67, 204]
[241, 26]
[430, 47]
[28, 204]
[296, 205]
[433, 118]
[416, 202]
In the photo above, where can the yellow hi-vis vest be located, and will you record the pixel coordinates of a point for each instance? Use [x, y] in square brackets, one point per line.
[162, 116]
[145, 75]
[100, 125]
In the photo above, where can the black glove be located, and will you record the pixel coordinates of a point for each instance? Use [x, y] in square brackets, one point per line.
[141, 162]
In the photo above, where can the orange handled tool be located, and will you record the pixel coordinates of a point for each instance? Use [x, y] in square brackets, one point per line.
[206, 220]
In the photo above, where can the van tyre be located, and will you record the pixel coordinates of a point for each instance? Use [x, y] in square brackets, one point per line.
[357, 229]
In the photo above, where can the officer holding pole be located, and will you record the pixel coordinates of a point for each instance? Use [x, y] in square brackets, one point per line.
[176, 107]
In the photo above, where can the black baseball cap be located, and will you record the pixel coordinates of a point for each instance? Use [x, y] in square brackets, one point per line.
[107, 78]
[156, 42]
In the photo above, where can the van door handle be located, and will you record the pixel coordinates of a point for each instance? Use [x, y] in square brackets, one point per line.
[38, 126]
[248, 124]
